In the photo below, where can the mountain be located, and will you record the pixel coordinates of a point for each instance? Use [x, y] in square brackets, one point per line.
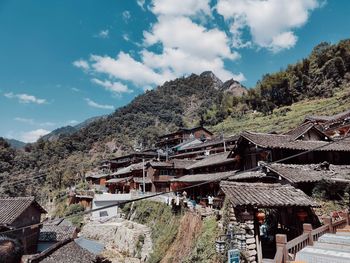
[69, 130]
[16, 143]
[184, 102]
[234, 88]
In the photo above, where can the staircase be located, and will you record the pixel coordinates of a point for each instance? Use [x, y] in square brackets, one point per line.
[333, 248]
[329, 243]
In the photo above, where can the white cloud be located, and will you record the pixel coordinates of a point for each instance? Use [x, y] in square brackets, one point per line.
[115, 87]
[141, 3]
[270, 22]
[24, 120]
[33, 136]
[183, 46]
[185, 8]
[94, 104]
[81, 63]
[126, 68]
[25, 98]
[76, 89]
[103, 34]
[126, 16]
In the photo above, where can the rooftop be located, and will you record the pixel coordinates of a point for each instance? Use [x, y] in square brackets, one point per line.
[193, 178]
[12, 207]
[51, 233]
[310, 172]
[211, 160]
[264, 195]
[280, 141]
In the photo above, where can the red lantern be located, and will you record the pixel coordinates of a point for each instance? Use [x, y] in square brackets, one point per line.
[260, 215]
[302, 215]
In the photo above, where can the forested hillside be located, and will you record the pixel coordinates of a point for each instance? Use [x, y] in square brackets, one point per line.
[196, 99]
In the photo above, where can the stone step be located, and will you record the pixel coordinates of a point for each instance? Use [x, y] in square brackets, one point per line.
[338, 247]
[335, 239]
[320, 255]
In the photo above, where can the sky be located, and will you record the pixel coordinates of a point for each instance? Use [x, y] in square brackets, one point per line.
[64, 61]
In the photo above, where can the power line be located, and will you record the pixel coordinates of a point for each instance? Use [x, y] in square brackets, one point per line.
[33, 178]
[178, 190]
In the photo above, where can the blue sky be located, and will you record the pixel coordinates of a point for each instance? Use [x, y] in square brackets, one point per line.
[64, 61]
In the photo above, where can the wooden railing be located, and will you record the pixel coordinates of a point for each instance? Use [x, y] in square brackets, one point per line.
[287, 250]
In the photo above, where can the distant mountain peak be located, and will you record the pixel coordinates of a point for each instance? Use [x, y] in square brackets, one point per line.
[216, 81]
[234, 88]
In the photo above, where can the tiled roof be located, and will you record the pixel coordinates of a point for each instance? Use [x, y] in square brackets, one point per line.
[302, 129]
[211, 160]
[130, 168]
[12, 207]
[311, 172]
[96, 175]
[69, 253]
[265, 140]
[182, 164]
[331, 118]
[118, 180]
[246, 175]
[212, 142]
[56, 233]
[264, 195]
[140, 180]
[193, 178]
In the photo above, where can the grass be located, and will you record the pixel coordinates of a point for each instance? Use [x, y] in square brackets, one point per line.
[204, 247]
[163, 223]
[285, 118]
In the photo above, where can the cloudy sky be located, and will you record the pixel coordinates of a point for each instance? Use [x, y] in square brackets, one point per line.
[64, 61]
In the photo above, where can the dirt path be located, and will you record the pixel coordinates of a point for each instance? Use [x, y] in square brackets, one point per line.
[190, 228]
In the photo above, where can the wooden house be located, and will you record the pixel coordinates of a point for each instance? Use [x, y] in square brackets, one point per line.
[167, 141]
[17, 212]
[161, 173]
[219, 162]
[253, 148]
[306, 176]
[209, 147]
[259, 211]
[337, 125]
[132, 158]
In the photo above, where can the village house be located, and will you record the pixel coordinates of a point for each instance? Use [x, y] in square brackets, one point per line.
[219, 162]
[132, 158]
[259, 211]
[212, 146]
[17, 212]
[253, 148]
[52, 233]
[161, 173]
[305, 177]
[167, 141]
[337, 125]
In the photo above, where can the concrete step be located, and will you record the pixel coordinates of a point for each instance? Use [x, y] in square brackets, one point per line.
[337, 247]
[319, 255]
[335, 239]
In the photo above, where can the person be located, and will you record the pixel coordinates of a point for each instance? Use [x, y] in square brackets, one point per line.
[210, 201]
[11, 250]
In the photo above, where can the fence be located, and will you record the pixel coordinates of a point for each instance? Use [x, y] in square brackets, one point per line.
[287, 250]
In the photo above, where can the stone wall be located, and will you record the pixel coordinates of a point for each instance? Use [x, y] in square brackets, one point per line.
[126, 237]
[242, 224]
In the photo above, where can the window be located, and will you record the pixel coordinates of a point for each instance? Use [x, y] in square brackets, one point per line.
[103, 213]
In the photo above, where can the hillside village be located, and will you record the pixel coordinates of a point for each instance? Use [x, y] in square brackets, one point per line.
[261, 188]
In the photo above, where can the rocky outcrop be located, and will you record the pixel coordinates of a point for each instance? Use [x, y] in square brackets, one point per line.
[124, 237]
[234, 88]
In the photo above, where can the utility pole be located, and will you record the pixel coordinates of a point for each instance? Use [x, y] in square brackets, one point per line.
[223, 139]
[143, 175]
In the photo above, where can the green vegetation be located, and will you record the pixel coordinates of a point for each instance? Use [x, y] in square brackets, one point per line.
[204, 248]
[277, 103]
[287, 117]
[162, 222]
